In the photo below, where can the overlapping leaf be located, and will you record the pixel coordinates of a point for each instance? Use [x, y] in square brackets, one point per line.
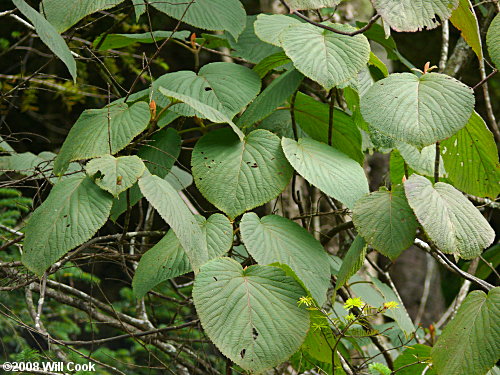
[161, 152]
[464, 18]
[418, 111]
[328, 169]
[386, 221]
[471, 159]
[324, 56]
[313, 118]
[312, 4]
[238, 309]
[115, 174]
[493, 41]
[174, 211]
[469, 344]
[352, 262]
[99, 132]
[235, 175]
[206, 14]
[167, 259]
[63, 14]
[275, 239]
[452, 223]
[414, 15]
[72, 213]
[48, 35]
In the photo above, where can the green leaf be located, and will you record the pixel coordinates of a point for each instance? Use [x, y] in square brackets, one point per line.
[207, 14]
[238, 309]
[116, 41]
[278, 239]
[167, 259]
[49, 36]
[270, 63]
[225, 87]
[422, 161]
[235, 175]
[352, 262]
[161, 153]
[407, 362]
[208, 112]
[386, 221]
[464, 19]
[450, 220]
[471, 159]
[312, 4]
[469, 344]
[115, 174]
[139, 8]
[269, 27]
[418, 111]
[249, 46]
[178, 178]
[493, 41]
[99, 132]
[328, 169]
[72, 213]
[273, 96]
[313, 117]
[63, 14]
[411, 15]
[324, 56]
[165, 199]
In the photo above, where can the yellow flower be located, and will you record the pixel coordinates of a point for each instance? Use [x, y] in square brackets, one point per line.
[350, 317]
[391, 305]
[308, 301]
[353, 302]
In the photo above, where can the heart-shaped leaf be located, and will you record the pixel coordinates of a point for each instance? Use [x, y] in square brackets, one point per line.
[235, 175]
[418, 111]
[238, 309]
[452, 223]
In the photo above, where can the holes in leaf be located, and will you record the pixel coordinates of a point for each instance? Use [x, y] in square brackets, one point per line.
[242, 353]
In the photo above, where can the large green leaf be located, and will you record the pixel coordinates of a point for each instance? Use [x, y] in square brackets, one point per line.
[352, 262]
[207, 111]
[273, 96]
[72, 213]
[99, 132]
[470, 343]
[414, 15]
[493, 41]
[386, 221]
[328, 169]
[161, 153]
[116, 41]
[275, 239]
[250, 314]
[324, 56]
[48, 35]
[464, 18]
[418, 111]
[167, 259]
[471, 159]
[115, 174]
[312, 4]
[269, 27]
[225, 87]
[450, 220]
[206, 14]
[235, 175]
[313, 118]
[63, 14]
[165, 199]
